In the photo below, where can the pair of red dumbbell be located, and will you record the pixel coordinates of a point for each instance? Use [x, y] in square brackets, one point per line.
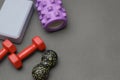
[16, 59]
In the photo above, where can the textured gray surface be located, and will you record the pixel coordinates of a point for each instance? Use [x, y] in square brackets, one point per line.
[88, 49]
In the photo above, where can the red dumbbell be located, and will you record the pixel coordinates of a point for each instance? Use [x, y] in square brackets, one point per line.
[37, 43]
[8, 47]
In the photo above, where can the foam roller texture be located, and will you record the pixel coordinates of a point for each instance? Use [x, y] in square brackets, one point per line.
[51, 14]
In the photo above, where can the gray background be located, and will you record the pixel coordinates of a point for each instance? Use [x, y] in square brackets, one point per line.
[88, 49]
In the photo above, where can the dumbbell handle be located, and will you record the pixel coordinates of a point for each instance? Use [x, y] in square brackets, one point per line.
[27, 51]
[3, 52]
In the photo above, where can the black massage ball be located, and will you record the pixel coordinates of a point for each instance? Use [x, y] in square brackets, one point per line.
[40, 72]
[49, 58]
[48, 61]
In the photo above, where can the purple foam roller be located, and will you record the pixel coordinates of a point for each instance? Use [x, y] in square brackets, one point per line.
[51, 14]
